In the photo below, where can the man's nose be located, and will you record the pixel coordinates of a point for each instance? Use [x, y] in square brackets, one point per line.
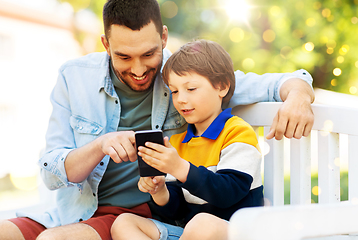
[138, 68]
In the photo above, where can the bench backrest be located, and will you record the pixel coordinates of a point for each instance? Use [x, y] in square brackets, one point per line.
[332, 125]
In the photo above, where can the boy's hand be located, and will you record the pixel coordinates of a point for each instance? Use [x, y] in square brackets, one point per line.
[156, 187]
[165, 158]
[151, 185]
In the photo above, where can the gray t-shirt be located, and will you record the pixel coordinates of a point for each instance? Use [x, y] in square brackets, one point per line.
[115, 189]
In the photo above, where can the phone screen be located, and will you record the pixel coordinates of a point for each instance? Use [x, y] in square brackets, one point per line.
[141, 137]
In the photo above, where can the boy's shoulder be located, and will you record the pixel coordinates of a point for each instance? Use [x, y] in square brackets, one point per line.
[238, 130]
[237, 123]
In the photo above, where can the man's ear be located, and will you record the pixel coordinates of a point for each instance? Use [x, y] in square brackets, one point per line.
[165, 36]
[105, 44]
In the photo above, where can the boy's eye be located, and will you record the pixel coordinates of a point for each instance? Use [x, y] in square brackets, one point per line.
[174, 92]
[191, 89]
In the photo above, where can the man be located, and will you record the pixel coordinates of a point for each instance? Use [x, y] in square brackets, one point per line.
[102, 98]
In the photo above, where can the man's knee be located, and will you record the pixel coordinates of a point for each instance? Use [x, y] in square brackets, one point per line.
[9, 230]
[76, 231]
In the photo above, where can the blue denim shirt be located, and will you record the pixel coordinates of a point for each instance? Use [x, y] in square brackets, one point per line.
[86, 106]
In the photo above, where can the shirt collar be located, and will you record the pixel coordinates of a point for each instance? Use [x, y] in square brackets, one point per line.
[107, 84]
[215, 128]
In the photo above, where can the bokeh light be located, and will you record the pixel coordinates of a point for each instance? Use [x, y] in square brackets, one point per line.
[331, 43]
[311, 22]
[337, 72]
[317, 5]
[275, 11]
[316, 190]
[269, 35]
[248, 63]
[330, 50]
[340, 59]
[169, 9]
[328, 126]
[353, 90]
[326, 12]
[309, 46]
[236, 35]
[344, 49]
[334, 82]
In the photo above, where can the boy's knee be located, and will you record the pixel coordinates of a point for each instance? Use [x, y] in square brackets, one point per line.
[205, 226]
[121, 223]
[201, 219]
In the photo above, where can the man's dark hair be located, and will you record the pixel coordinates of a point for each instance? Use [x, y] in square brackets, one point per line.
[206, 58]
[133, 14]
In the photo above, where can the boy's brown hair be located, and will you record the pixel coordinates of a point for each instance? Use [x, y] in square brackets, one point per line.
[206, 58]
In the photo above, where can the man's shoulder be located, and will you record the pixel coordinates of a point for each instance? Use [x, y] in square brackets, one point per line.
[91, 60]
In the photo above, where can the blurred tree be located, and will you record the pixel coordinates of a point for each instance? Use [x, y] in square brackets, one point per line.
[275, 36]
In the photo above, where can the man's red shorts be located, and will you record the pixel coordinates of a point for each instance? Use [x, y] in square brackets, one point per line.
[101, 221]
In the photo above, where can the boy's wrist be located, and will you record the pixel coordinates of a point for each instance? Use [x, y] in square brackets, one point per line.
[161, 197]
[182, 171]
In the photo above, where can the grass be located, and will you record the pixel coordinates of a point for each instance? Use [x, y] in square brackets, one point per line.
[314, 182]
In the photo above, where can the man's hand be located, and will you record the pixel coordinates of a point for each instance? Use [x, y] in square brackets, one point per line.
[80, 162]
[120, 146]
[295, 117]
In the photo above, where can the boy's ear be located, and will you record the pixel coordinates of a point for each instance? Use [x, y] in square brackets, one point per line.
[223, 90]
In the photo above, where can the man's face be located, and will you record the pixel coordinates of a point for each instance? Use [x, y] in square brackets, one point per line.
[136, 55]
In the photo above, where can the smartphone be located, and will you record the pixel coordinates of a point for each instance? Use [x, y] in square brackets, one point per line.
[141, 137]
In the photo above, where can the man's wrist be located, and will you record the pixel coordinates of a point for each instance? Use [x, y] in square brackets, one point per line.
[297, 88]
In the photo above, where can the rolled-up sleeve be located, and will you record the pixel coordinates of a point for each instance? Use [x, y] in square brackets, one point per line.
[251, 88]
[59, 139]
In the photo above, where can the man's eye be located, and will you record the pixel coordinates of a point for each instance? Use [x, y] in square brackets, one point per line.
[148, 54]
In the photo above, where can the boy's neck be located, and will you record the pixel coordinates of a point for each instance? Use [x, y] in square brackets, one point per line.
[200, 128]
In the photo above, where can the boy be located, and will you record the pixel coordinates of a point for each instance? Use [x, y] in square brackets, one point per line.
[215, 163]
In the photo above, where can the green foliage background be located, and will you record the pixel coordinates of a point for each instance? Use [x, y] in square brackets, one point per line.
[319, 36]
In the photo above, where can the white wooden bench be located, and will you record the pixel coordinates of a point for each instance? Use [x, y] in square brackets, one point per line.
[331, 218]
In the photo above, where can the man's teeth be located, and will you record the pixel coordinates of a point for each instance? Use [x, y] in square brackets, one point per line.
[139, 78]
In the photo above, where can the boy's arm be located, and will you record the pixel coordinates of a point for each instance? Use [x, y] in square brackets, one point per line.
[175, 208]
[237, 172]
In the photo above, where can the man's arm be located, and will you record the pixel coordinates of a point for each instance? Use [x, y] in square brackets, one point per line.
[295, 117]
[80, 162]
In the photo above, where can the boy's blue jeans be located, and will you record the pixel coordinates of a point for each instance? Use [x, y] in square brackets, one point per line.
[167, 231]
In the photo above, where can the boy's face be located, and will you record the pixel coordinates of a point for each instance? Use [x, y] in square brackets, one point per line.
[136, 56]
[196, 99]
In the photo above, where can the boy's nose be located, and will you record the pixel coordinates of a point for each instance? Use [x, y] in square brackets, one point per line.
[181, 98]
